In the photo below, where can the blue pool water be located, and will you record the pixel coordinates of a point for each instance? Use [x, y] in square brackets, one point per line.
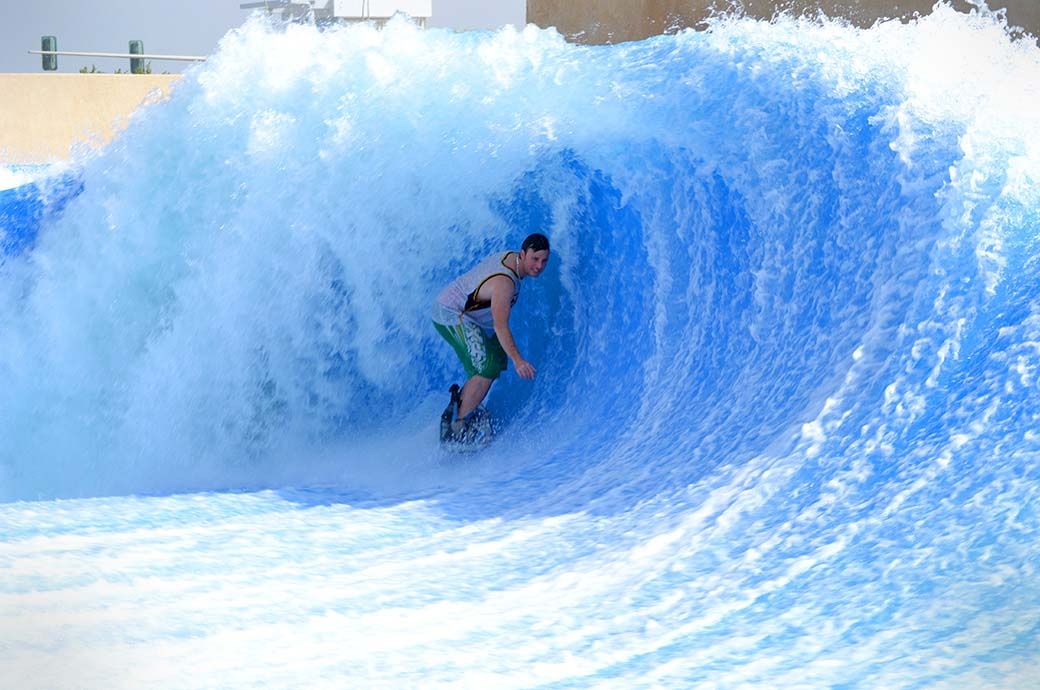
[784, 428]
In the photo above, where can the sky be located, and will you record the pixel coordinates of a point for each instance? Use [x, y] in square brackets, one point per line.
[171, 27]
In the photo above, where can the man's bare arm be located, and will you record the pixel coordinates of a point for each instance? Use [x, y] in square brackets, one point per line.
[501, 305]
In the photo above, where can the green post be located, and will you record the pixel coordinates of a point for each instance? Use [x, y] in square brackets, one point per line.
[50, 62]
[137, 64]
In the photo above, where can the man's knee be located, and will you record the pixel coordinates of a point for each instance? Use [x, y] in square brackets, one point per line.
[493, 364]
[490, 371]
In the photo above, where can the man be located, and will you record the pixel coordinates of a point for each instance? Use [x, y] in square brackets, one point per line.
[472, 314]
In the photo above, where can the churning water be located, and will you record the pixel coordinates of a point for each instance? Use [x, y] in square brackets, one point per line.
[784, 429]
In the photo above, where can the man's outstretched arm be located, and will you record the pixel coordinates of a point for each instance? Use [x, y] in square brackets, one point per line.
[501, 306]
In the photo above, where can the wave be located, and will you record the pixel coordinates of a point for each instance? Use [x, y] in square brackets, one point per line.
[793, 245]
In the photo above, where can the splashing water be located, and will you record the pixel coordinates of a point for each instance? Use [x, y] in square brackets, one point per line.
[783, 429]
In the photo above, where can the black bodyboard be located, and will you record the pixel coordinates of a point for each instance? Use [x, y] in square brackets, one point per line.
[474, 433]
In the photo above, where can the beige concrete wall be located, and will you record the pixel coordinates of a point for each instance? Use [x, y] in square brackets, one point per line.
[614, 21]
[43, 115]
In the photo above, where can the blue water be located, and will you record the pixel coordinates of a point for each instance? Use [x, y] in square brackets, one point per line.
[784, 428]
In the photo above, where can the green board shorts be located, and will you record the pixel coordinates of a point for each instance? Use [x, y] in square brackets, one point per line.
[481, 354]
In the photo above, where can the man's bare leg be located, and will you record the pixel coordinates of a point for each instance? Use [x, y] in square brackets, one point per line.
[473, 393]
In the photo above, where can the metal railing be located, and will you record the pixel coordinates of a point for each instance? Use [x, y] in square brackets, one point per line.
[49, 51]
[132, 56]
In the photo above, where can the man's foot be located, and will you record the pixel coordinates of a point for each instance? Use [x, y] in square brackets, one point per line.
[473, 428]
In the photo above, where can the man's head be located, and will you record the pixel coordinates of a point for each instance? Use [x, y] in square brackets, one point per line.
[534, 254]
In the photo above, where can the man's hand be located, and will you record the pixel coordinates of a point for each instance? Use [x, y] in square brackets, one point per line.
[524, 368]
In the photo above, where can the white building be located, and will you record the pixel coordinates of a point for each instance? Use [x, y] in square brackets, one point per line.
[324, 12]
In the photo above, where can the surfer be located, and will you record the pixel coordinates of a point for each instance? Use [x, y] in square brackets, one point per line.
[472, 314]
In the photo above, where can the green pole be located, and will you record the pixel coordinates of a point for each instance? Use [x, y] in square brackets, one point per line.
[137, 64]
[50, 62]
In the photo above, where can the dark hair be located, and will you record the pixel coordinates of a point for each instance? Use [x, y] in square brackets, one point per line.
[536, 242]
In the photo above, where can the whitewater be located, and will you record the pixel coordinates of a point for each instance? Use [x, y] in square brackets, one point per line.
[784, 428]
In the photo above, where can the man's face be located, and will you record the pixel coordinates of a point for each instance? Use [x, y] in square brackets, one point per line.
[533, 263]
